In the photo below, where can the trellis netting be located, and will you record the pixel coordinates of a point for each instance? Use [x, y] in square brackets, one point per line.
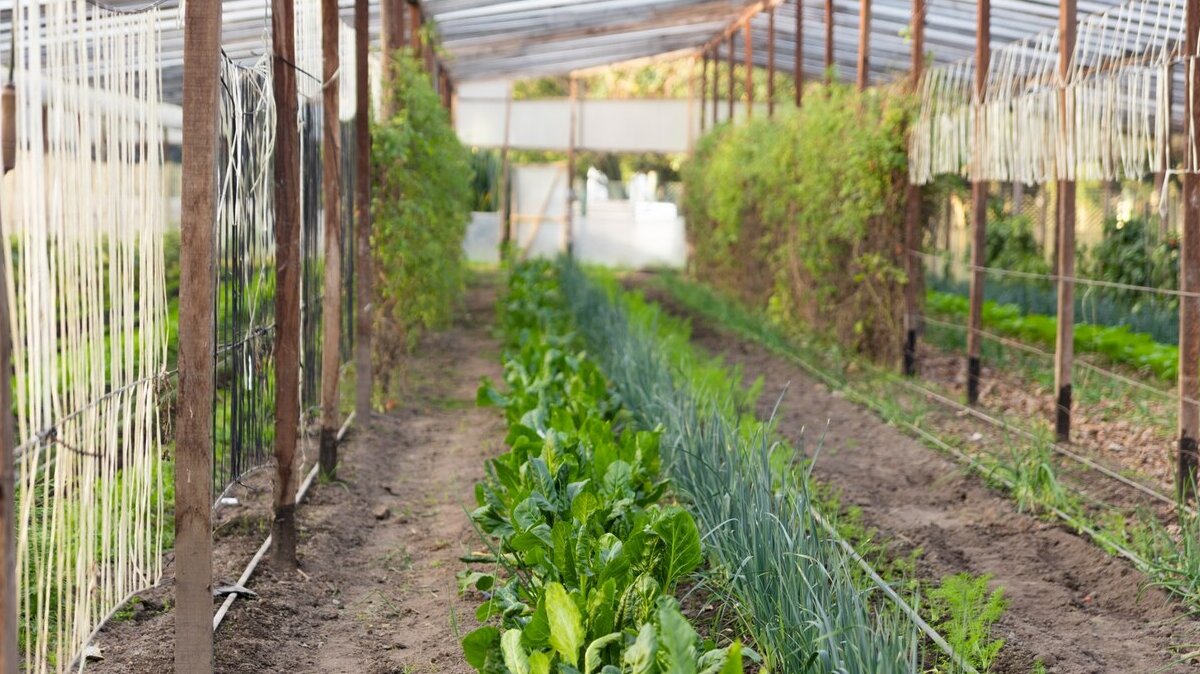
[1108, 117]
[84, 220]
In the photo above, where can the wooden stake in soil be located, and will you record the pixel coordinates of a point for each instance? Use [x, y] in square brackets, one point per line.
[1064, 344]
[979, 197]
[829, 63]
[912, 216]
[364, 375]
[331, 182]
[798, 66]
[287, 286]
[748, 40]
[1189, 280]
[197, 315]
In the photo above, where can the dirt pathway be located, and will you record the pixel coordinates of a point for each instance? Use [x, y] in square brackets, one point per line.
[1072, 606]
[379, 548]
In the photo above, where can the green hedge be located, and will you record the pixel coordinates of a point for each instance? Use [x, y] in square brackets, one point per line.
[422, 189]
[803, 215]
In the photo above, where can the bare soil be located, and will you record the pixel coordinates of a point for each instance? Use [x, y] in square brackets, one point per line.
[1071, 606]
[379, 548]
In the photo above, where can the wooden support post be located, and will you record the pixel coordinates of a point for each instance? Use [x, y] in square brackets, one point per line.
[8, 467]
[331, 183]
[979, 197]
[913, 266]
[864, 44]
[703, 92]
[717, 85]
[798, 66]
[732, 77]
[569, 234]
[1064, 344]
[505, 188]
[829, 62]
[1189, 278]
[748, 40]
[197, 316]
[364, 373]
[771, 63]
[392, 40]
[414, 27]
[287, 283]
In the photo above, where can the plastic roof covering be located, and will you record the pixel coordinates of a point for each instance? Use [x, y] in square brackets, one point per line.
[245, 34]
[513, 38]
[485, 39]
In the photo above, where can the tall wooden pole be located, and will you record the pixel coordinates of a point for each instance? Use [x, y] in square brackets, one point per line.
[979, 198]
[8, 445]
[364, 373]
[829, 41]
[1064, 346]
[798, 66]
[287, 290]
[569, 234]
[703, 92]
[331, 182]
[771, 63]
[392, 40]
[716, 86]
[197, 315]
[864, 44]
[913, 267]
[732, 77]
[414, 26]
[748, 40]
[505, 188]
[1189, 281]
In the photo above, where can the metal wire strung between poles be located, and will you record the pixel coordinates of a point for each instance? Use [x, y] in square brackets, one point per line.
[1053, 277]
[1091, 367]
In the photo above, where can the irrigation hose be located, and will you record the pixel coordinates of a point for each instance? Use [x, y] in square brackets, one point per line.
[266, 545]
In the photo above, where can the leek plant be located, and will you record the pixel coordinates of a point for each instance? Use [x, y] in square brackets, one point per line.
[792, 582]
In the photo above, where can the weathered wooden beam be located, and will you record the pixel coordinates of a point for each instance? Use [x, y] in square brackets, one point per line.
[798, 66]
[331, 184]
[1064, 345]
[829, 62]
[703, 92]
[913, 266]
[9, 600]
[197, 315]
[771, 63]
[364, 291]
[1189, 282]
[979, 197]
[732, 77]
[748, 64]
[414, 27]
[716, 86]
[287, 284]
[569, 234]
[742, 19]
[864, 44]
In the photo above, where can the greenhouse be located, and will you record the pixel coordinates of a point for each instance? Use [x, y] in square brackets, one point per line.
[600, 336]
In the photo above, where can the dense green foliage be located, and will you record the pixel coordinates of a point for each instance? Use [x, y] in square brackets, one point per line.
[1132, 253]
[1009, 243]
[794, 587]
[420, 209]
[804, 215]
[1116, 343]
[572, 513]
